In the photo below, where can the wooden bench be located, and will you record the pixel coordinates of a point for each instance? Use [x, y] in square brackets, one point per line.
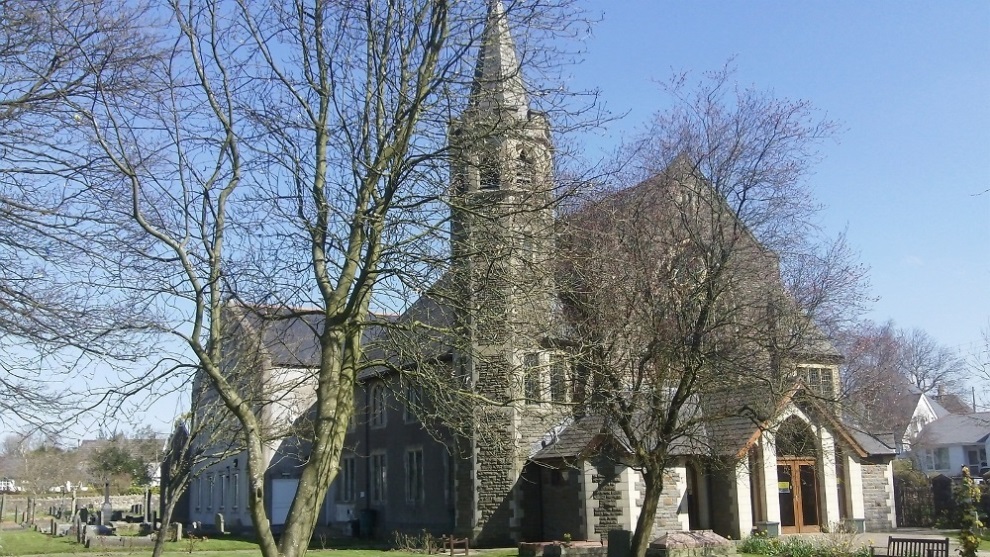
[455, 546]
[914, 547]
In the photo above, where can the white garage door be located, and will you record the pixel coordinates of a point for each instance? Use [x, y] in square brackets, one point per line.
[283, 491]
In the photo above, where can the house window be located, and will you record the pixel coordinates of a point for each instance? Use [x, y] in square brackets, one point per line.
[415, 493]
[819, 380]
[378, 409]
[532, 380]
[235, 495]
[223, 489]
[414, 400]
[209, 495]
[199, 493]
[348, 482]
[379, 475]
[937, 459]
[558, 379]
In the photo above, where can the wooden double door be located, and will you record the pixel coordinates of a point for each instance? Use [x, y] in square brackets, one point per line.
[797, 484]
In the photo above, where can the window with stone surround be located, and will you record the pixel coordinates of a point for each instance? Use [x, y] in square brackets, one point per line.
[415, 492]
[378, 409]
[532, 378]
[348, 480]
[820, 380]
[235, 491]
[414, 400]
[379, 477]
[559, 378]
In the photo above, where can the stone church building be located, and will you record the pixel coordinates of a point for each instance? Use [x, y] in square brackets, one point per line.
[520, 467]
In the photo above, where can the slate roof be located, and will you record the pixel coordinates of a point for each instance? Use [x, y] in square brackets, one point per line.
[734, 422]
[290, 336]
[957, 429]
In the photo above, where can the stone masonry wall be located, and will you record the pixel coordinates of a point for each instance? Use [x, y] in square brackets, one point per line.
[608, 496]
[878, 497]
[669, 504]
[494, 476]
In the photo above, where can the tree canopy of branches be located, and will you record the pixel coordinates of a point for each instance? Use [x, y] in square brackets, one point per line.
[706, 276]
[883, 363]
[54, 55]
[291, 154]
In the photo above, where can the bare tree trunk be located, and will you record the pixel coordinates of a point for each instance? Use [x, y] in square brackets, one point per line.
[648, 514]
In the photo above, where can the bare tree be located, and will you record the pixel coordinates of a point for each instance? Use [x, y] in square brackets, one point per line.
[931, 367]
[884, 363]
[51, 315]
[705, 278]
[285, 156]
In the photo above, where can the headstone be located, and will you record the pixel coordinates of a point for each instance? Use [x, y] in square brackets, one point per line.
[619, 543]
[84, 515]
[17, 512]
[147, 504]
[218, 523]
[79, 528]
[175, 531]
[107, 509]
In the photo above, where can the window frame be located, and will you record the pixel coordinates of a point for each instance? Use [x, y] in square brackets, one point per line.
[378, 407]
[415, 484]
[378, 463]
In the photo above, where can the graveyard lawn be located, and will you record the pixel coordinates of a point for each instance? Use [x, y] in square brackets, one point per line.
[28, 542]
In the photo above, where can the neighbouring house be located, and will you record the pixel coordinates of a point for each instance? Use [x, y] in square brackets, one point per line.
[909, 411]
[952, 441]
[514, 466]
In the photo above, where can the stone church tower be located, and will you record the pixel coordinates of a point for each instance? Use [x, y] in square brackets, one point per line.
[502, 242]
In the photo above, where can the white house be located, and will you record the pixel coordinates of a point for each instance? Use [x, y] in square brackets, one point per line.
[952, 441]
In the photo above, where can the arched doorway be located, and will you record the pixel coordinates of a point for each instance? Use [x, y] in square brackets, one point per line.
[797, 477]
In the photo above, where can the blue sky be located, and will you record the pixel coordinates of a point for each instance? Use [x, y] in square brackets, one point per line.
[909, 81]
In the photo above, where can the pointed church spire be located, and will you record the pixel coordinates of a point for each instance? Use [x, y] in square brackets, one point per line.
[498, 84]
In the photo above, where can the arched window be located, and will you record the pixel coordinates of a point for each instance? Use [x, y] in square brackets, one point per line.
[377, 406]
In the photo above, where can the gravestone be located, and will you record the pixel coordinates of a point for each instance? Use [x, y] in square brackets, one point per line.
[107, 509]
[175, 532]
[84, 515]
[218, 522]
[147, 504]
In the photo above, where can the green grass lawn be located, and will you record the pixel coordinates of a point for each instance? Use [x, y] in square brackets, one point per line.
[28, 542]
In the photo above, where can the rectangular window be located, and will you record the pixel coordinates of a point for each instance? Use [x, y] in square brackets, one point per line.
[379, 475]
[210, 483]
[941, 458]
[378, 408]
[235, 496]
[820, 381]
[558, 379]
[348, 482]
[532, 382]
[415, 493]
[414, 400]
[199, 492]
[223, 489]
